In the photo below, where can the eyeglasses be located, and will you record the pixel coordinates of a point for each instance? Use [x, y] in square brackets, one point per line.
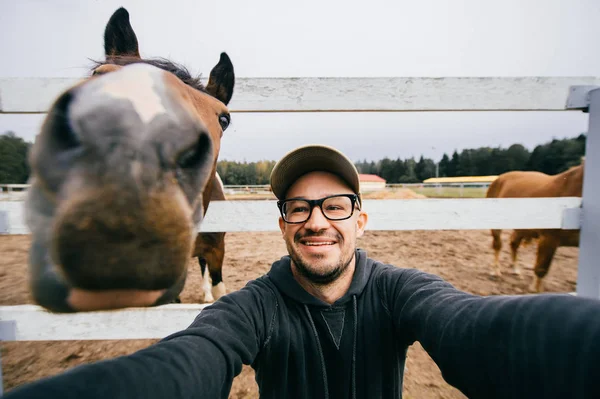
[334, 207]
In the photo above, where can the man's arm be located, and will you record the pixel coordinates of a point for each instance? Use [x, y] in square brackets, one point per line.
[532, 346]
[200, 361]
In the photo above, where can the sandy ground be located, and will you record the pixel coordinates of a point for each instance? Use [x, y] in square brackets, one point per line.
[462, 257]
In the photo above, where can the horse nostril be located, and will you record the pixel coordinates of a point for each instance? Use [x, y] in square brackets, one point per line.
[63, 135]
[197, 156]
[193, 166]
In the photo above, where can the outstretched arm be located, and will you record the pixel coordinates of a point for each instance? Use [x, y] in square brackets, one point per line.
[530, 346]
[200, 361]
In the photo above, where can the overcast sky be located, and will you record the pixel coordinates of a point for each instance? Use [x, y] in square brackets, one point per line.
[374, 38]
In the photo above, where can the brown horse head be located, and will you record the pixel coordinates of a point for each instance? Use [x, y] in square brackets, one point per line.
[118, 175]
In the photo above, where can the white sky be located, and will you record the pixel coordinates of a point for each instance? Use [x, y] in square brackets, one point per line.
[269, 38]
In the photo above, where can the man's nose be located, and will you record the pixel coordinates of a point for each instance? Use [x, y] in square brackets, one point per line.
[317, 220]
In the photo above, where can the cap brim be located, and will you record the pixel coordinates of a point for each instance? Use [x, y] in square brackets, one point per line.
[311, 158]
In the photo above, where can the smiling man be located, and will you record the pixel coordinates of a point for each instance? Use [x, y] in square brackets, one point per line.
[320, 221]
[329, 322]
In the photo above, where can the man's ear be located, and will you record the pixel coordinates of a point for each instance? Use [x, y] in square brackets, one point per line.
[281, 225]
[361, 223]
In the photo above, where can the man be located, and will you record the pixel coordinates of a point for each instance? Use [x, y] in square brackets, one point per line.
[328, 322]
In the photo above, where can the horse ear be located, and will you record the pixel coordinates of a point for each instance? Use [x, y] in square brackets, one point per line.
[119, 37]
[221, 80]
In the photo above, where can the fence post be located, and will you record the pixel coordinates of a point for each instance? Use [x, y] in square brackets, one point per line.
[587, 98]
[7, 332]
[4, 222]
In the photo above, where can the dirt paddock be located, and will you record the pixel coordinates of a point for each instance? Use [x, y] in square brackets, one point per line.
[461, 257]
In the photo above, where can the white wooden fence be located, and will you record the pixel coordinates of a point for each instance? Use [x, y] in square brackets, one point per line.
[13, 187]
[240, 188]
[27, 322]
[34, 95]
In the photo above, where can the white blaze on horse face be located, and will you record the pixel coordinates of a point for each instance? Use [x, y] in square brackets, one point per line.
[137, 83]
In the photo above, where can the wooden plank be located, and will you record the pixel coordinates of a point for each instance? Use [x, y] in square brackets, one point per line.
[31, 95]
[412, 214]
[469, 214]
[15, 185]
[33, 323]
[35, 95]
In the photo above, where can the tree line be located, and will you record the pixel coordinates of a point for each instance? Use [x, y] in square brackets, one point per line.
[14, 168]
[551, 158]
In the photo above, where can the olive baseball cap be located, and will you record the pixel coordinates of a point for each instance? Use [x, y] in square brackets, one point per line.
[312, 158]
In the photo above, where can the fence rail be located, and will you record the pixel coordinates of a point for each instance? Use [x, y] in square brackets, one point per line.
[266, 187]
[35, 95]
[411, 214]
[33, 323]
[12, 187]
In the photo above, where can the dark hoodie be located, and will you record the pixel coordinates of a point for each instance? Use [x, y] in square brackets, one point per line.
[537, 346]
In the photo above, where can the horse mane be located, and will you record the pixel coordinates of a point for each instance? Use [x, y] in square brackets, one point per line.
[176, 69]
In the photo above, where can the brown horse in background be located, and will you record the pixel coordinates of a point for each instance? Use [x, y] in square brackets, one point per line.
[536, 185]
[119, 174]
[209, 248]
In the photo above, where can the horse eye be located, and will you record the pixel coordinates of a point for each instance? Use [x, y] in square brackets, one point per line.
[224, 121]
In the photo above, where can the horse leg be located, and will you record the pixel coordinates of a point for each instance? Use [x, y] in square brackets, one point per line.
[205, 280]
[515, 241]
[497, 246]
[545, 252]
[215, 266]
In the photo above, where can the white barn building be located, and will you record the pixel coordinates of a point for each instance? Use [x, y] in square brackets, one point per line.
[371, 183]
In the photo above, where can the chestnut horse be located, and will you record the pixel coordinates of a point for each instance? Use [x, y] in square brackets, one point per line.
[119, 172]
[536, 185]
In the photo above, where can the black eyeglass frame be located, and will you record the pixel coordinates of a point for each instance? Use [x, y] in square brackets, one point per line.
[319, 203]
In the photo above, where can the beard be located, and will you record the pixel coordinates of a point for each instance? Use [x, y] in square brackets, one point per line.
[307, 267]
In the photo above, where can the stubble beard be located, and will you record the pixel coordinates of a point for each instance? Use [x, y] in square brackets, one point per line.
[303, 266]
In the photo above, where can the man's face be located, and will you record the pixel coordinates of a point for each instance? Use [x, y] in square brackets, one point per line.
[321, 249]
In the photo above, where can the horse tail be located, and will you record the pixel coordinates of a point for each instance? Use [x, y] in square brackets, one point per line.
[494, 189]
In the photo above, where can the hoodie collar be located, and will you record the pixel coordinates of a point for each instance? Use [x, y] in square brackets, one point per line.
[282, 277]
